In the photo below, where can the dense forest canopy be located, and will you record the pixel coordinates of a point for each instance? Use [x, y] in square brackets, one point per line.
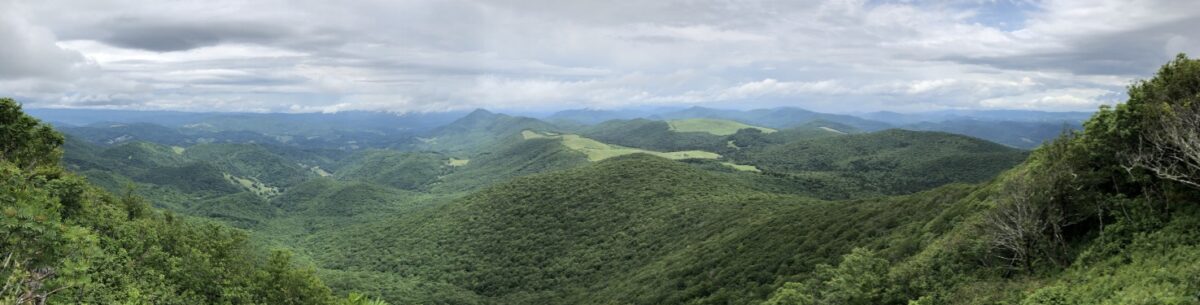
[66, 241]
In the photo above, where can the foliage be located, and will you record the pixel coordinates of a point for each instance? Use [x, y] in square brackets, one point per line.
[651, 135]
[480, 129]
[24, 141]
[881, 163]
[409, 171]
[63, 241]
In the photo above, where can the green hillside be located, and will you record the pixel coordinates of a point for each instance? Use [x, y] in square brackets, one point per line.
[67, 242]
[410, 171]
[627, 232]
[651, 135]
[887, 162]
[480, 129]
[251, 161]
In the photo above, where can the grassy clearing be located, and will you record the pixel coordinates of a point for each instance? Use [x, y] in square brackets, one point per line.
[320, 172]
[455, 162]
[178, 150]
[596, 150]
[832, 130]
[745, 168]
[253, 185]
[713, 126]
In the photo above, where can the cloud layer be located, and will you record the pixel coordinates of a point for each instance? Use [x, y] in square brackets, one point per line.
[433, 55]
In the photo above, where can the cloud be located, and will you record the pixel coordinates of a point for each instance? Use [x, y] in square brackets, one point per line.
[30, 51]
[430, 55]
[768, 87]
[170, 35]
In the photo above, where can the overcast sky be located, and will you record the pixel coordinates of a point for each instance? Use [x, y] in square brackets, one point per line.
[305, 56]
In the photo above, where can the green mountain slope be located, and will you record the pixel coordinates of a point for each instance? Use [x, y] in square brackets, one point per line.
[68, 242]
[509, 160]
[636, 229]
[410, 171]
[652, 135]
[480, 129]
[251, 161]
[1025, 135]
[887, 162]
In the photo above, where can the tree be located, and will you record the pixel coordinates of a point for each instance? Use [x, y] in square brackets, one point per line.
[1171, 150]
[790, 294]
[1166, 112]
[860, 279]
[1019, 223]
[25, 141]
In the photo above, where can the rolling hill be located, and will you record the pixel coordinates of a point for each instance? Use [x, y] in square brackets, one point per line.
[886, 162]
[596, 150]
[478, 129]
[1025, 135]
[778, 118]
[634, 229]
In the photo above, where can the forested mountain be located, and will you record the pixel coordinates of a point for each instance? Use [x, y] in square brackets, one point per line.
[688, 208]
[1027, 135]
[783, 117]
[66, 241]
[888, 162]
[296, 124]
[480, 128]
[1015, 128]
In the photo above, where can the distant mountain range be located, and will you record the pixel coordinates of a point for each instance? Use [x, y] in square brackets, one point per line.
[1016, 128]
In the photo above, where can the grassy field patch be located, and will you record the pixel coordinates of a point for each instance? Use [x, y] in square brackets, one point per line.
[713, 126]
[745, 168]
[596, 150]
[253, 185]
[458, 162]
[832, 130]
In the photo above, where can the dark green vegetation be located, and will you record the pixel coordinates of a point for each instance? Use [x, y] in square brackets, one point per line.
[887, 162]
[65, 241]
[480, 129]
[839, 212]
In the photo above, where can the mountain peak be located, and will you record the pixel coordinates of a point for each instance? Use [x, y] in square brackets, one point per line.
[480, 112]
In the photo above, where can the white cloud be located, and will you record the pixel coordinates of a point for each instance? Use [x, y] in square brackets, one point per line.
[1055, 99]
[427, 55]
[30, 51]
[772, 87]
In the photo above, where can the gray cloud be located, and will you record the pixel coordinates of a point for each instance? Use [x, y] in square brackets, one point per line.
[1135, 50]
[428, 55]
[165, 35]
[28, 51]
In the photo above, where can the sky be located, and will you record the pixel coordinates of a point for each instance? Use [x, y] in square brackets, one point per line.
[438, 55]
